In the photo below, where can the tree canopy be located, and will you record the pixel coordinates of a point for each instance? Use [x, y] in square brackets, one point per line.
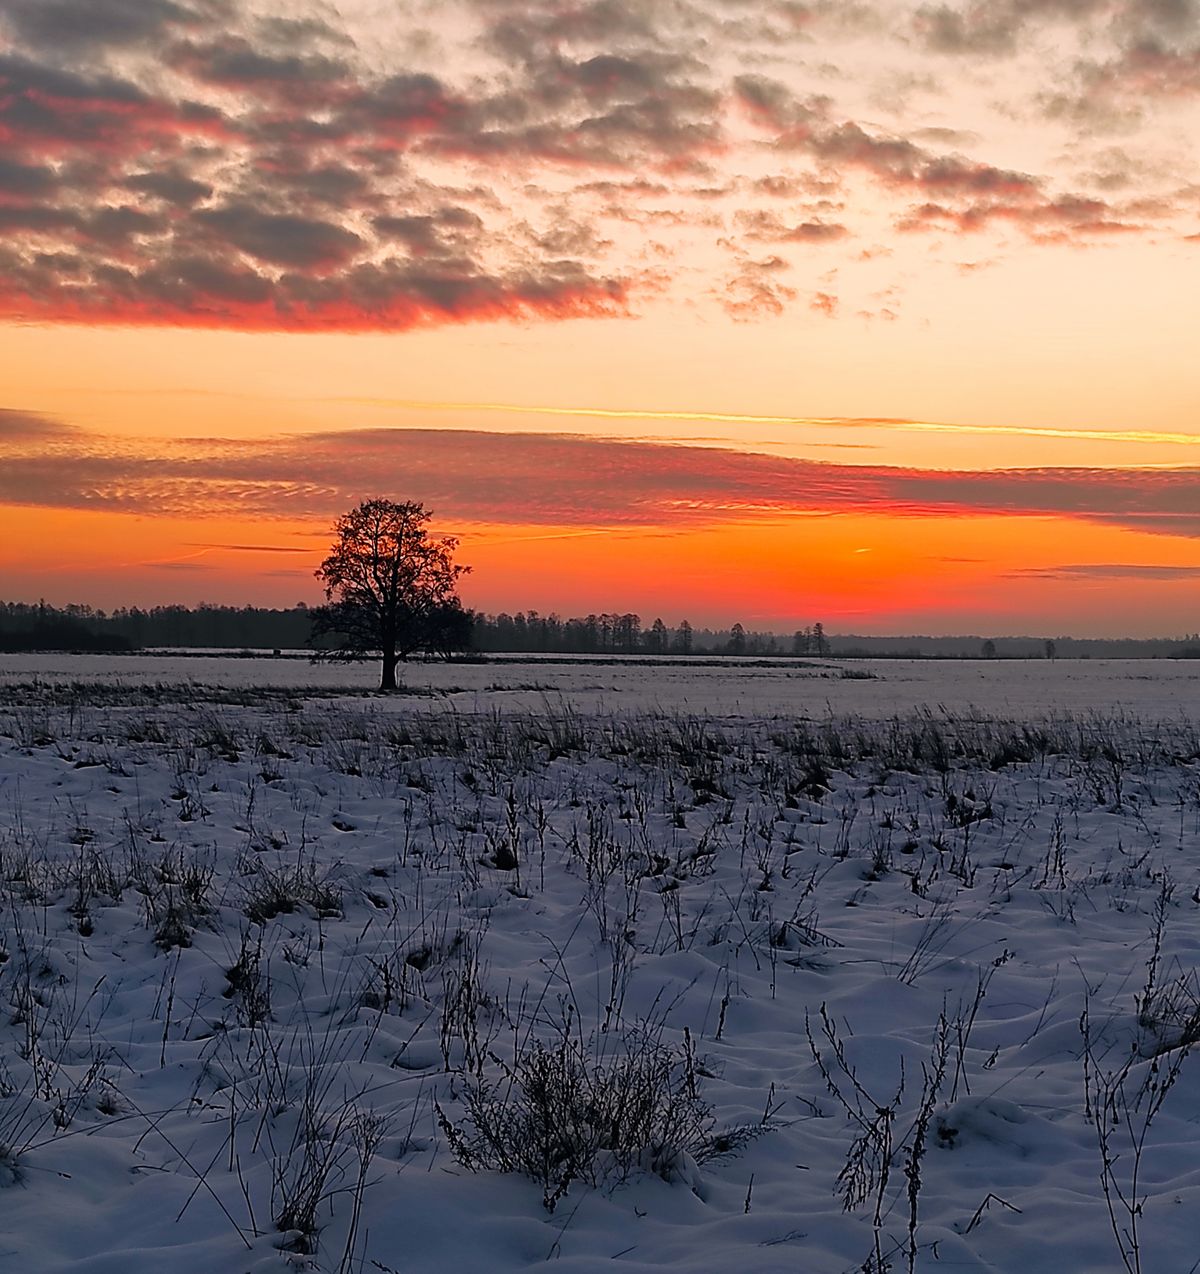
[390, 588]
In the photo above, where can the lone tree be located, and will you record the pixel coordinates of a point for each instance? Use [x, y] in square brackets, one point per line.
[390, 589]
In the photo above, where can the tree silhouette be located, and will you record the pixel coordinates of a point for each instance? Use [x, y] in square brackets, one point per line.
[390, 588]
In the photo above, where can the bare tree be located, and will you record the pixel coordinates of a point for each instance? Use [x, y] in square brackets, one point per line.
[390, 587]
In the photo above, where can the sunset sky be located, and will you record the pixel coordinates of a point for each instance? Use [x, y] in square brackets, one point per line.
[880, 314]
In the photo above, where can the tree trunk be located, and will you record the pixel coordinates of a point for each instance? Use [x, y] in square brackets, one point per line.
[387, 680]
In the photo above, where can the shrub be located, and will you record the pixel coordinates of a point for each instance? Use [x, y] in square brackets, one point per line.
[590, 1112]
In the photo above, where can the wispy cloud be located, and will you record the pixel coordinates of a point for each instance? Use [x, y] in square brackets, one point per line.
[562, 482]
[1141, 436]
[1110, 571]
[251, 548]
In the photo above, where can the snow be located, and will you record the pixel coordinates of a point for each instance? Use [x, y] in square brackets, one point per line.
[931, 920]
[705, 686]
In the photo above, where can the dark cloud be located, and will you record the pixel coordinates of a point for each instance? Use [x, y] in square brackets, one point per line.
[437, 233]
[391, 113]
[78, 24]
[328, 185]
[26, 179]
[565, 480]
[519, 30]
[173, 187]
[233, 62]
[39, 218]
[993, 27]
[50, 112]
[552, 119]
[282, 239]
[200, 291]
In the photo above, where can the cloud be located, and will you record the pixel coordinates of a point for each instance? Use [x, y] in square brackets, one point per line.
[1068, 218]
[25, 426]
[122, 202]
[1110, 570]
[289, 73]
[50, 112]
[764, 226]
[562, 480]
[1124, 86]
[995, 27]
[251, 548]
[82, 24]
[960, 193]
[173, 187]
[203, 163]
[756, 289]
[1150, 56]
[281, 238]
[205, 291]
[17, 179]
[443, 231]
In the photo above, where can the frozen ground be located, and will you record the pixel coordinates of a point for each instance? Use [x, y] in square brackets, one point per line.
[753, 688]
[486, 981]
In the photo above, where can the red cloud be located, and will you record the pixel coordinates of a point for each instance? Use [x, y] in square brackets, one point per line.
[245, 301]
[46, 112]
[559, 480]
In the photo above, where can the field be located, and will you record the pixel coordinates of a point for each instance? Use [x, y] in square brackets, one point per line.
[605, 965]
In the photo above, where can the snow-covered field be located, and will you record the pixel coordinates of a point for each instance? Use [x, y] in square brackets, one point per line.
[616, 968]
[712, 686]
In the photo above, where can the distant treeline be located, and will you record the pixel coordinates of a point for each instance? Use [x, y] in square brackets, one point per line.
[51, 630]
[42, 627]
[623, 634]
[37, 626]
[76, 627]
[980, 647]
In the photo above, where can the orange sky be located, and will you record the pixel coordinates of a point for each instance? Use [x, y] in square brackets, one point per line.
[879, 314]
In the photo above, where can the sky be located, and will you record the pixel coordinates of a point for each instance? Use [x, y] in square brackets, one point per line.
[877, 314]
